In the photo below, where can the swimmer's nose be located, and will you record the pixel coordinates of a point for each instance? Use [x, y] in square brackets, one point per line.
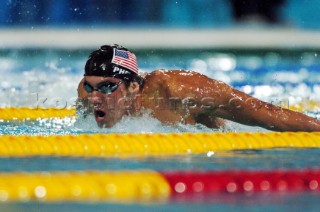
[95, 97]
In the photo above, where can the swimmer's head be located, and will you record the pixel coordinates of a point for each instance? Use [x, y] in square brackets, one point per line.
[111, 84]
[113, 61]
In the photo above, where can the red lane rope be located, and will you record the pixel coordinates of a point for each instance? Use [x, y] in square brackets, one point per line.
[190, 183]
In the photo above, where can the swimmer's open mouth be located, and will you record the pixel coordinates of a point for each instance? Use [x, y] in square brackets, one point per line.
[99, 115]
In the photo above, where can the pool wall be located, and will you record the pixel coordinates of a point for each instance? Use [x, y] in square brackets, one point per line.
[152, 38]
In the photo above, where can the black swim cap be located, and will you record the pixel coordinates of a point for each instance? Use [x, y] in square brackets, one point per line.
[113, 61]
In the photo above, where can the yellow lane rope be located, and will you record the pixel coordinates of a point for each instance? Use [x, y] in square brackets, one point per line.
[25, 113]
[117, 186]
[116, 145]
[305, 106]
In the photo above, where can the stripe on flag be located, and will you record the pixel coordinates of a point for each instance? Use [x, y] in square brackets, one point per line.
[125, 59]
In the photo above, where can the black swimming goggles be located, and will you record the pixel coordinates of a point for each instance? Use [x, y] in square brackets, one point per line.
[103, 87]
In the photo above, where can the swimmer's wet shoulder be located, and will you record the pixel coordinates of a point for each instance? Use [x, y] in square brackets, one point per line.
[155, 97]
[182, 96]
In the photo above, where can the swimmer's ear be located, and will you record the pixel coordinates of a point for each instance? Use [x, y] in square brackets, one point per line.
[133, 87]
[81, 92]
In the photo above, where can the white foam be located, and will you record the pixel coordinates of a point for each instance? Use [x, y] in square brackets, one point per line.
[147, 124]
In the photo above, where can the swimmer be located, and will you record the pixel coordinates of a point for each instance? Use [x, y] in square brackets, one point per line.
[112, 88]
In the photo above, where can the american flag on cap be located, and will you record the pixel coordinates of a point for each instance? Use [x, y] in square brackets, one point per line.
[125, 59]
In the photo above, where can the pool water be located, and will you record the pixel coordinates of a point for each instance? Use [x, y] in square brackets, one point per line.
[49, 78]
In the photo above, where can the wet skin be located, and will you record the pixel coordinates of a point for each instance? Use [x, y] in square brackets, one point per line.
[189, 97]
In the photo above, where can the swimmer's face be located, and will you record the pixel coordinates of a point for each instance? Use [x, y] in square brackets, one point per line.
[107, 96]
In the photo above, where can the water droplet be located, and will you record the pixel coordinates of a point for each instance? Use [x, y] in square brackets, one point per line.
[231, 187]
[40, 191]
[210, 153]
[180, 187]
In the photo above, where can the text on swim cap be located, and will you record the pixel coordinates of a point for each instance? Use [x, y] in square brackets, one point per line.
[120, 70]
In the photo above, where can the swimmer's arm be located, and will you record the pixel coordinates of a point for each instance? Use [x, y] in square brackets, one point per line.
[248, 110]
